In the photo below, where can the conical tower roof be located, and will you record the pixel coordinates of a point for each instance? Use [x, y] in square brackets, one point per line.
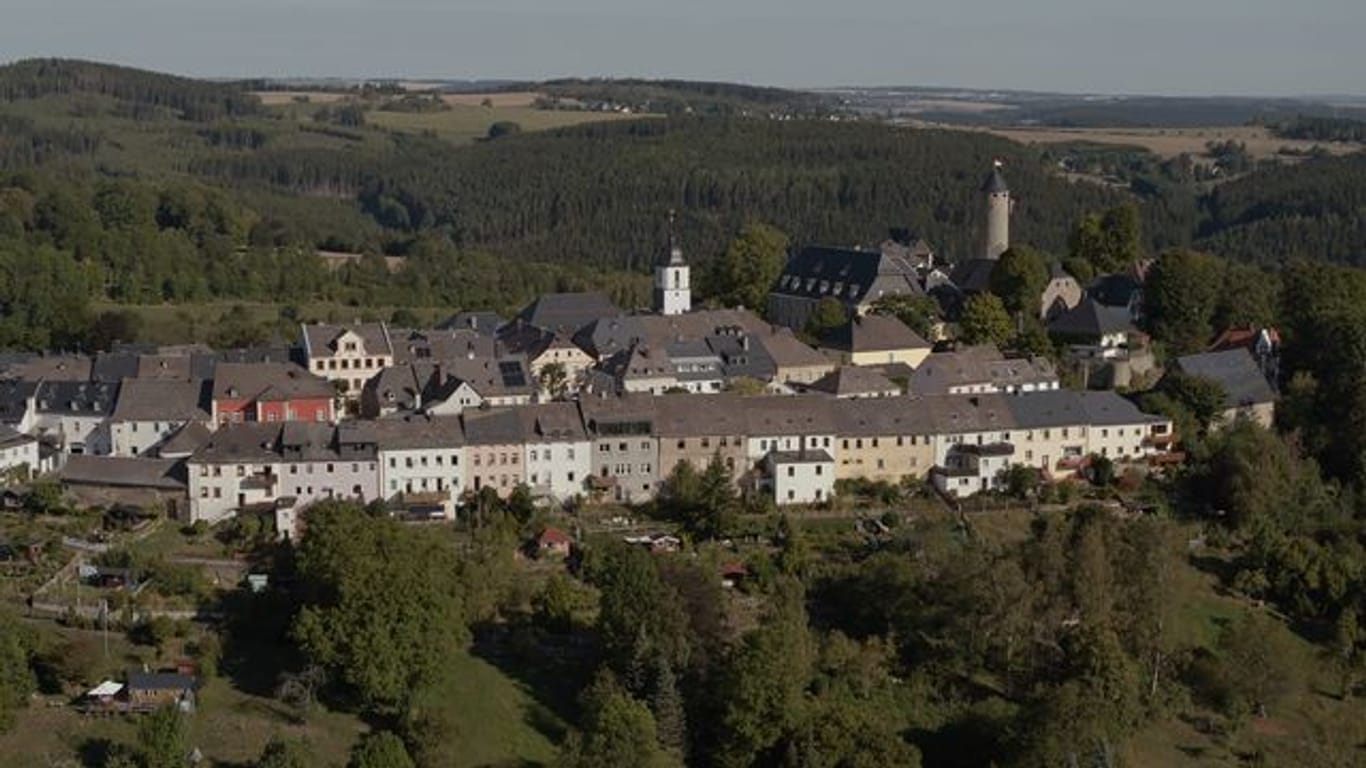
[995, 182]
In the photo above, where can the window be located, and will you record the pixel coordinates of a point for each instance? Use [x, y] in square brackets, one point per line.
[571, 454]
[604, 448]
[408, 462]
[533, 454]
[791, 471]
[790, 494]
[393, 463]
[622, 447]
[875, 442]
[644, 445]
[845, 446]
[899, 441]
[218, 493]
[204, 492]
[424, 461]
[821, 470]
[241, 471]
[706, 442]
[1105, 433]
[455, 460]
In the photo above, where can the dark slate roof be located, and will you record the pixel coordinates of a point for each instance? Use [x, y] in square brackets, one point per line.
[971, 413]
[160, 681]
[11, 437]
[973, 275]
[1104, 408]
[78, 398]
[486, 323]
[875, 333]
[114, 367]
[14, 395]
[52, 368]
[1090, 319]
[568, 312]
[1054, 408]
[995, 182]
[978, 365]
[742, 355]
[1117, 290]
[1236, 370]
[121, 472]
[850, 275]
[608, 415]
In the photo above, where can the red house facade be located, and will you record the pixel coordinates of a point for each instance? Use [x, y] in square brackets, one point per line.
[270, 392]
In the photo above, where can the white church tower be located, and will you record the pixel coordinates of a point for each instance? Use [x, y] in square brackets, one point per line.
[996, 234]
[673, 293]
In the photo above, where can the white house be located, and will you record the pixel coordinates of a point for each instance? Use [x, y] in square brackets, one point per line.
[800, 477]
[559, 455]
[421, 462]
[19, 458]
[970, 469]
[149, 411]
[347, 355]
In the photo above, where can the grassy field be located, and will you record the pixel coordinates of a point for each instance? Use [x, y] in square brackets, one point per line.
[1170, 142]
[494, 720]
[464, 123]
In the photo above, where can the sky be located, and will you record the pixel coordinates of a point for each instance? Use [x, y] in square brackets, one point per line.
[1166, 47]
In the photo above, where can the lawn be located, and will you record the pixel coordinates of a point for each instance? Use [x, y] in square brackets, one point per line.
[464, 123]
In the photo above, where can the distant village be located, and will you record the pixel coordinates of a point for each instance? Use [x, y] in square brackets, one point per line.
[579, 401]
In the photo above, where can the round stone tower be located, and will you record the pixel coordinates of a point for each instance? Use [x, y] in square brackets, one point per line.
[996, 234]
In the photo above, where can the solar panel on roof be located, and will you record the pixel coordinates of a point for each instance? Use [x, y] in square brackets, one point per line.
[512, 374]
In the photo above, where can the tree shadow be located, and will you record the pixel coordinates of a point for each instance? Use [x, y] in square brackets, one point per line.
[553, 668]
[95, 752]
[256, 646]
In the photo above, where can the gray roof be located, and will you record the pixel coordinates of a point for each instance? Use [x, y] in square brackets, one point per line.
[853, 380]
[787, 351]
[850, 275]
[11, 437]
[497, 426]
[121, 472]
[608, 335]
[414, 432]
[320, 340]
[875, 333]
[568, 312]
[980, 365]
[552, 422]
[157, 400]
[1105, 408]
[742, 355]
[252, 381]
[884, 416]
[185, 441]
[1235, 370]
[970, 413]
[484, 322]
[1090, 320]
[701, 415]
[411, 345]
[1055, 408]
[114, 366]
[241, 443]
[160, 681]
[51, 368]
[800, 415]
[806, 456]
[608, 415]
[973, 275]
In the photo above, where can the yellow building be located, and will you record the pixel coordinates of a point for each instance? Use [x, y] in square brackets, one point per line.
[886, 439]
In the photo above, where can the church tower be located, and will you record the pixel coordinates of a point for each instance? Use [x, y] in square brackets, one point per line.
[673, 294]
[996, 236]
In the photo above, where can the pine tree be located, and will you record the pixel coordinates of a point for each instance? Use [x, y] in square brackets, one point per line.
[667, 705]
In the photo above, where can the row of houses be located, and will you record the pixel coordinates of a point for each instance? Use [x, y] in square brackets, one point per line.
[622, 448]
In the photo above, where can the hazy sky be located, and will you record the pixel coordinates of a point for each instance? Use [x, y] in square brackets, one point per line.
[1140, 46]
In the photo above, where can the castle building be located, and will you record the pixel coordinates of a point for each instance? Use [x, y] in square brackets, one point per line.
[673, 293]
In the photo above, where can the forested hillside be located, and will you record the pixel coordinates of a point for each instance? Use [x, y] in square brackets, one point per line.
[152, 188]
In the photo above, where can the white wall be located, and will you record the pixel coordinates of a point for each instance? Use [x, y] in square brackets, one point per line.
[423, 470]
[558, 467]
[803, 483]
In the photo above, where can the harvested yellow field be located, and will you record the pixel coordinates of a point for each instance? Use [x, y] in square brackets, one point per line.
[1170, 142]
[508, 99]
[276, 98]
